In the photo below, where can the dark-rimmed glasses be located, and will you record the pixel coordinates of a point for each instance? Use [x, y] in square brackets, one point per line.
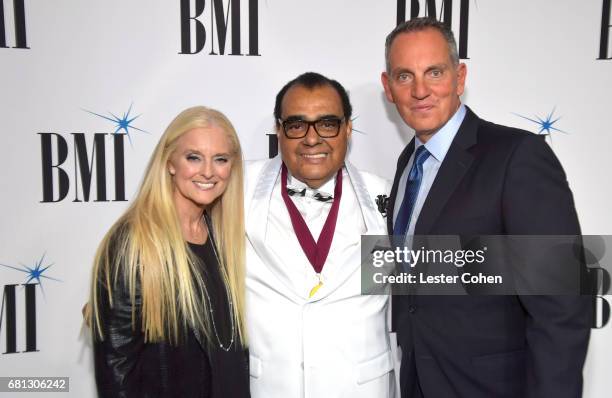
[327, 127]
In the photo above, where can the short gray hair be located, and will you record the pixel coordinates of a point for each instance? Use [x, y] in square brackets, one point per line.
[420, 24]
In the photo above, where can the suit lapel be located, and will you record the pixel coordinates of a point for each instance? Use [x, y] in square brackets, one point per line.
[452, 170]
[349, 264]
[257, 216]
[364, 198]
[402, 161]
[257, 228]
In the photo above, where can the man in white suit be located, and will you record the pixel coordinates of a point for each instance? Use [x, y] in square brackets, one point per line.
[312, 333]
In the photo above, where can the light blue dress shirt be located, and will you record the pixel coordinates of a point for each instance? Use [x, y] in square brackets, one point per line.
[437, 146]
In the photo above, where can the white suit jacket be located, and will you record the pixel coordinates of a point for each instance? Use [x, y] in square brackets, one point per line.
[335, 344]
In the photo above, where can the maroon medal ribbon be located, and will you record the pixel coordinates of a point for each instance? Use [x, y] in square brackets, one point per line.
[315, 252]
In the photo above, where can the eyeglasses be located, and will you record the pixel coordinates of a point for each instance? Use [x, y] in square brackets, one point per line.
[328, 127]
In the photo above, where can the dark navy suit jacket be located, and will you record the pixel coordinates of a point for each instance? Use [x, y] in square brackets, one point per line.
[494, 180]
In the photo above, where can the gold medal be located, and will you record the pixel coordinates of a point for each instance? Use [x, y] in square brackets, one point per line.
[316, 287]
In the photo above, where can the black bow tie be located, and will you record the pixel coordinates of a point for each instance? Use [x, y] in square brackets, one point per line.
[302, 192]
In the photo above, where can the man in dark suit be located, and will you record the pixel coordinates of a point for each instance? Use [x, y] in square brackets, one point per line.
[462, 175]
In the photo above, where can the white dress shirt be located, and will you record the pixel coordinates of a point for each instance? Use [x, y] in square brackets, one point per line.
[437, 146]
[313, 211]
[315, 214]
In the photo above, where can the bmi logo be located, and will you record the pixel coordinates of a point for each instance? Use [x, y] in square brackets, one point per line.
[445, 11]
[598, 278]
[604, 38]
[224, 19]
[12, 296]
[17, 20]
[88, 166]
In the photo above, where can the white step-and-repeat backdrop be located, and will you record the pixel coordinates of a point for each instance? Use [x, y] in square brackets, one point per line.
[87, 88]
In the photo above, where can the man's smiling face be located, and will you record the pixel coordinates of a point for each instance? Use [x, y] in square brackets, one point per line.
[423, 82]
[312, 159]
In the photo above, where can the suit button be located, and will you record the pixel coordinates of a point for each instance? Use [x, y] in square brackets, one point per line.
[412, 309]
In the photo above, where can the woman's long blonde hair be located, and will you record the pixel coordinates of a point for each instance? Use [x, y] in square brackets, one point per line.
[146, 246]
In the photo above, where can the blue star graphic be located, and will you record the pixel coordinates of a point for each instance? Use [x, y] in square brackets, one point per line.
[545, 124]
[122, 123]
[354, 129]
[35, 273]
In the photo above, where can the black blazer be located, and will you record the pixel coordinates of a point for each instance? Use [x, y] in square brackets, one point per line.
[126, 366]
[494, 180]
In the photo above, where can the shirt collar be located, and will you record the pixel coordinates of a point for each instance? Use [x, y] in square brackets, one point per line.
[326, 189]
[441, 141]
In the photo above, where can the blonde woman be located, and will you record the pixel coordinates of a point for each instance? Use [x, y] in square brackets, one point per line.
[167, 295]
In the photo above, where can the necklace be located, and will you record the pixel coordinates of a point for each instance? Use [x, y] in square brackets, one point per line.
[229, 299]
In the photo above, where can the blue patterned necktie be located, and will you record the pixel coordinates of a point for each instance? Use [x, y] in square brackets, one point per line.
[412, 190]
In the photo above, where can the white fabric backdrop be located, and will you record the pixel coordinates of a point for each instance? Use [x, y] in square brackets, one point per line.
[525, 58]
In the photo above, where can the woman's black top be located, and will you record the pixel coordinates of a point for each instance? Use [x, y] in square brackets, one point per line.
[126, 366]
